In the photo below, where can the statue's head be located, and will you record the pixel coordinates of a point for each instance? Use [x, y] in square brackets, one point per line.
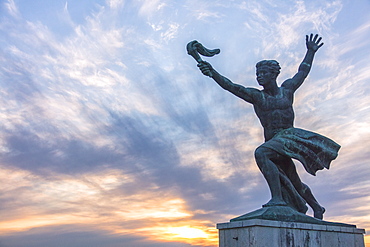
[272, 65]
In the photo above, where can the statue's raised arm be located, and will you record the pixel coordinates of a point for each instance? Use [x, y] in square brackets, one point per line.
[313, 44]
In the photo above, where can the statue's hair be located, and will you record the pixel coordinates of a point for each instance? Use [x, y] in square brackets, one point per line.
[273, 65]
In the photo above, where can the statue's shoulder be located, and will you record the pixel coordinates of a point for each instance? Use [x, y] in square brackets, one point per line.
[286, 89]
[249, 94]
[255, 92]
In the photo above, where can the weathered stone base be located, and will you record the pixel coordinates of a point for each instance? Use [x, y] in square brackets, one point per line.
[270, 233]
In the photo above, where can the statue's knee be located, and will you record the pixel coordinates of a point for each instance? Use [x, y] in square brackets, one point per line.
[260, 154]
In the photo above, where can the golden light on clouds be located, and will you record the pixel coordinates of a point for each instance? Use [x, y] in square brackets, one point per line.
[29, 222]
[196, 236]
[95, 201]
[186, 231]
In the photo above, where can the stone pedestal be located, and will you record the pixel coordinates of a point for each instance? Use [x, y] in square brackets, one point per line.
[268, 233]
[254, 232]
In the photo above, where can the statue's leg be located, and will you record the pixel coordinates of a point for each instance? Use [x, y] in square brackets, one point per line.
[264, 157]
[290, 170]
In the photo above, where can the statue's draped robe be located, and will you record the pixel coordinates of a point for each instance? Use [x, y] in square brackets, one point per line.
[314, 151]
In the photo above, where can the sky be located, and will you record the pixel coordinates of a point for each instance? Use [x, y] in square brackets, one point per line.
[111, 136]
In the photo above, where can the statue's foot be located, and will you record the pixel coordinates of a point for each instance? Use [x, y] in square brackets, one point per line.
[274, 202]
[319, 214]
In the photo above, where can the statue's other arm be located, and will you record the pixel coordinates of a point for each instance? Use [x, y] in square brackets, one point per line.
[312, 44]
[247, 94]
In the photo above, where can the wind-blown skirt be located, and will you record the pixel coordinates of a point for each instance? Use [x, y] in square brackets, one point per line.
[314, 151]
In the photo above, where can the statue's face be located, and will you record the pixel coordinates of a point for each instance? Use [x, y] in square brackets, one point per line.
[264, 75]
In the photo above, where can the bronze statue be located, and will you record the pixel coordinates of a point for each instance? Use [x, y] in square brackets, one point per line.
[283, 142]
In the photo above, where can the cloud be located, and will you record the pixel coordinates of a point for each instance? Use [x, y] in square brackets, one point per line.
[148, 8]
[12, 8]
[103, 196]
[78, 236]
[115, 4]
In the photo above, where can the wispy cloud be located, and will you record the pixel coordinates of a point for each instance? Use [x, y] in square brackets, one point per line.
[12, 8]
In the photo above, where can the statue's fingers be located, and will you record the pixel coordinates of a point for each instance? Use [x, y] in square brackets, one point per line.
[318, 41]
[315, 38]
[311, 35]
[320, 45]
[200, 64]
[306, 38]
[204, 69]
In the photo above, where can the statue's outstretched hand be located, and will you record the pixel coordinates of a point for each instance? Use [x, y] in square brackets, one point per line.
[313, 42]
[206, 68]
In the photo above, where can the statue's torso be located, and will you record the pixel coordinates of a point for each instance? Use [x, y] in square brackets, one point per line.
[275, 112]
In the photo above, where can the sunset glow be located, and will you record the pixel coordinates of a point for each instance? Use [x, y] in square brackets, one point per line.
[111, 136]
